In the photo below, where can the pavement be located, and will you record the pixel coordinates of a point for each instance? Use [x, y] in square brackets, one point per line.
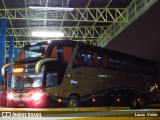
[88, 113]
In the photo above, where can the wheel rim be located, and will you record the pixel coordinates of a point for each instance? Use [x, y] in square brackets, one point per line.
[73, 103]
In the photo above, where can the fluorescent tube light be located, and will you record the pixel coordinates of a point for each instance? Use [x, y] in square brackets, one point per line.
[51, 8]
[47, 34]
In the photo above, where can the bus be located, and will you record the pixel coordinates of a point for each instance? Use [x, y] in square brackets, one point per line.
[65, 73]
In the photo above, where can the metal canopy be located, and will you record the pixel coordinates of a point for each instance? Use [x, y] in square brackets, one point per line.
[93, 21]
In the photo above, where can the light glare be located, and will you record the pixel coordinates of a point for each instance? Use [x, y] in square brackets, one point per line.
[10, 96]
[50, 8]
[47, 34]
[18, 70]
[36, 96]
[59, 100]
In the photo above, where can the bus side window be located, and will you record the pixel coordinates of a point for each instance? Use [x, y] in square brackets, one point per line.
[104, 61]
[67, 52]
[44, 51]
[54, 52]
[127, 65]
[95, 58]
[78, 61]
[83, 58]
[98, 60]
[87, 58]
[114, 63]
[57, 52]
[60, 53]
[21, 55]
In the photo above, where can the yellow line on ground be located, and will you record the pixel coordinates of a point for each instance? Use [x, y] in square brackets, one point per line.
[115, 118]
[154, 105]
[67, 109]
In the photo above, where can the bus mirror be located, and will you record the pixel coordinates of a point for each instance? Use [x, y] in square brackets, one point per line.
[41, 62]
[4, 67]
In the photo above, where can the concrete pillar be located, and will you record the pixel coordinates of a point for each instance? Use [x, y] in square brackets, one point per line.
[15, 54]
[3, 25]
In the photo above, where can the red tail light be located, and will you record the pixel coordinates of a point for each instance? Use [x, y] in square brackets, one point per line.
[93, 100]
[118, 100]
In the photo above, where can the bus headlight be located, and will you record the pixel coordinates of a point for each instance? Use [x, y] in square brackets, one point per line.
[37, 96]
[10, 96]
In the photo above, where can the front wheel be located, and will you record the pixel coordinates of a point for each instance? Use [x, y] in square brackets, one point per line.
[141, 103]
[73, 101]
[137, 103]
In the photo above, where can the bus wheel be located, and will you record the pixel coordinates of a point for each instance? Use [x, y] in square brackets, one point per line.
[73, 101]
[141, 104]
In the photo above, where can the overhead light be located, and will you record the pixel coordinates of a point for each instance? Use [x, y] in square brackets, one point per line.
[51, 8]
[47, 34]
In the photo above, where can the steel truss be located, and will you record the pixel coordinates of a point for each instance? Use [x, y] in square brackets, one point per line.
[74, 32]
[118, 18]
[87, 14]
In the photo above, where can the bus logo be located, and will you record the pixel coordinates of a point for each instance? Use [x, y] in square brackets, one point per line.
[74, 82]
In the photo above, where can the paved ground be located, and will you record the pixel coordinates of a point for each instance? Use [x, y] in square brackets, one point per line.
[151, 112]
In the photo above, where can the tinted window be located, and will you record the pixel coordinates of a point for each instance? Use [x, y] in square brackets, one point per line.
[63, 53]
[51, 80]
[32, 52]
[83, 58]
[127, 65]
[100, 60]
[114, 63]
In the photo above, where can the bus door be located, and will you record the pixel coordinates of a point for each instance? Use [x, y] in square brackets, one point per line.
[51, 82]
[75, 80]
[78, 71]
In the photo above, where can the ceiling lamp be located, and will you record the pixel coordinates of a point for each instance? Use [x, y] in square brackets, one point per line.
[47, 34]
[50, 8]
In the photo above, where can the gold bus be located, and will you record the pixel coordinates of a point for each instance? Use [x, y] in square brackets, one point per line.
[73, 74]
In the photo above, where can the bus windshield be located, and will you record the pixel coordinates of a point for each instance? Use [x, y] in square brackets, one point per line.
[32, 52]
[26, 81]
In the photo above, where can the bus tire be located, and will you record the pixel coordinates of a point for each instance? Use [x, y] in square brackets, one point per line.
[73, 101]
[141, 103]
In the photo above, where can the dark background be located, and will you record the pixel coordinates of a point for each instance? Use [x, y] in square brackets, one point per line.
[142, 37]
